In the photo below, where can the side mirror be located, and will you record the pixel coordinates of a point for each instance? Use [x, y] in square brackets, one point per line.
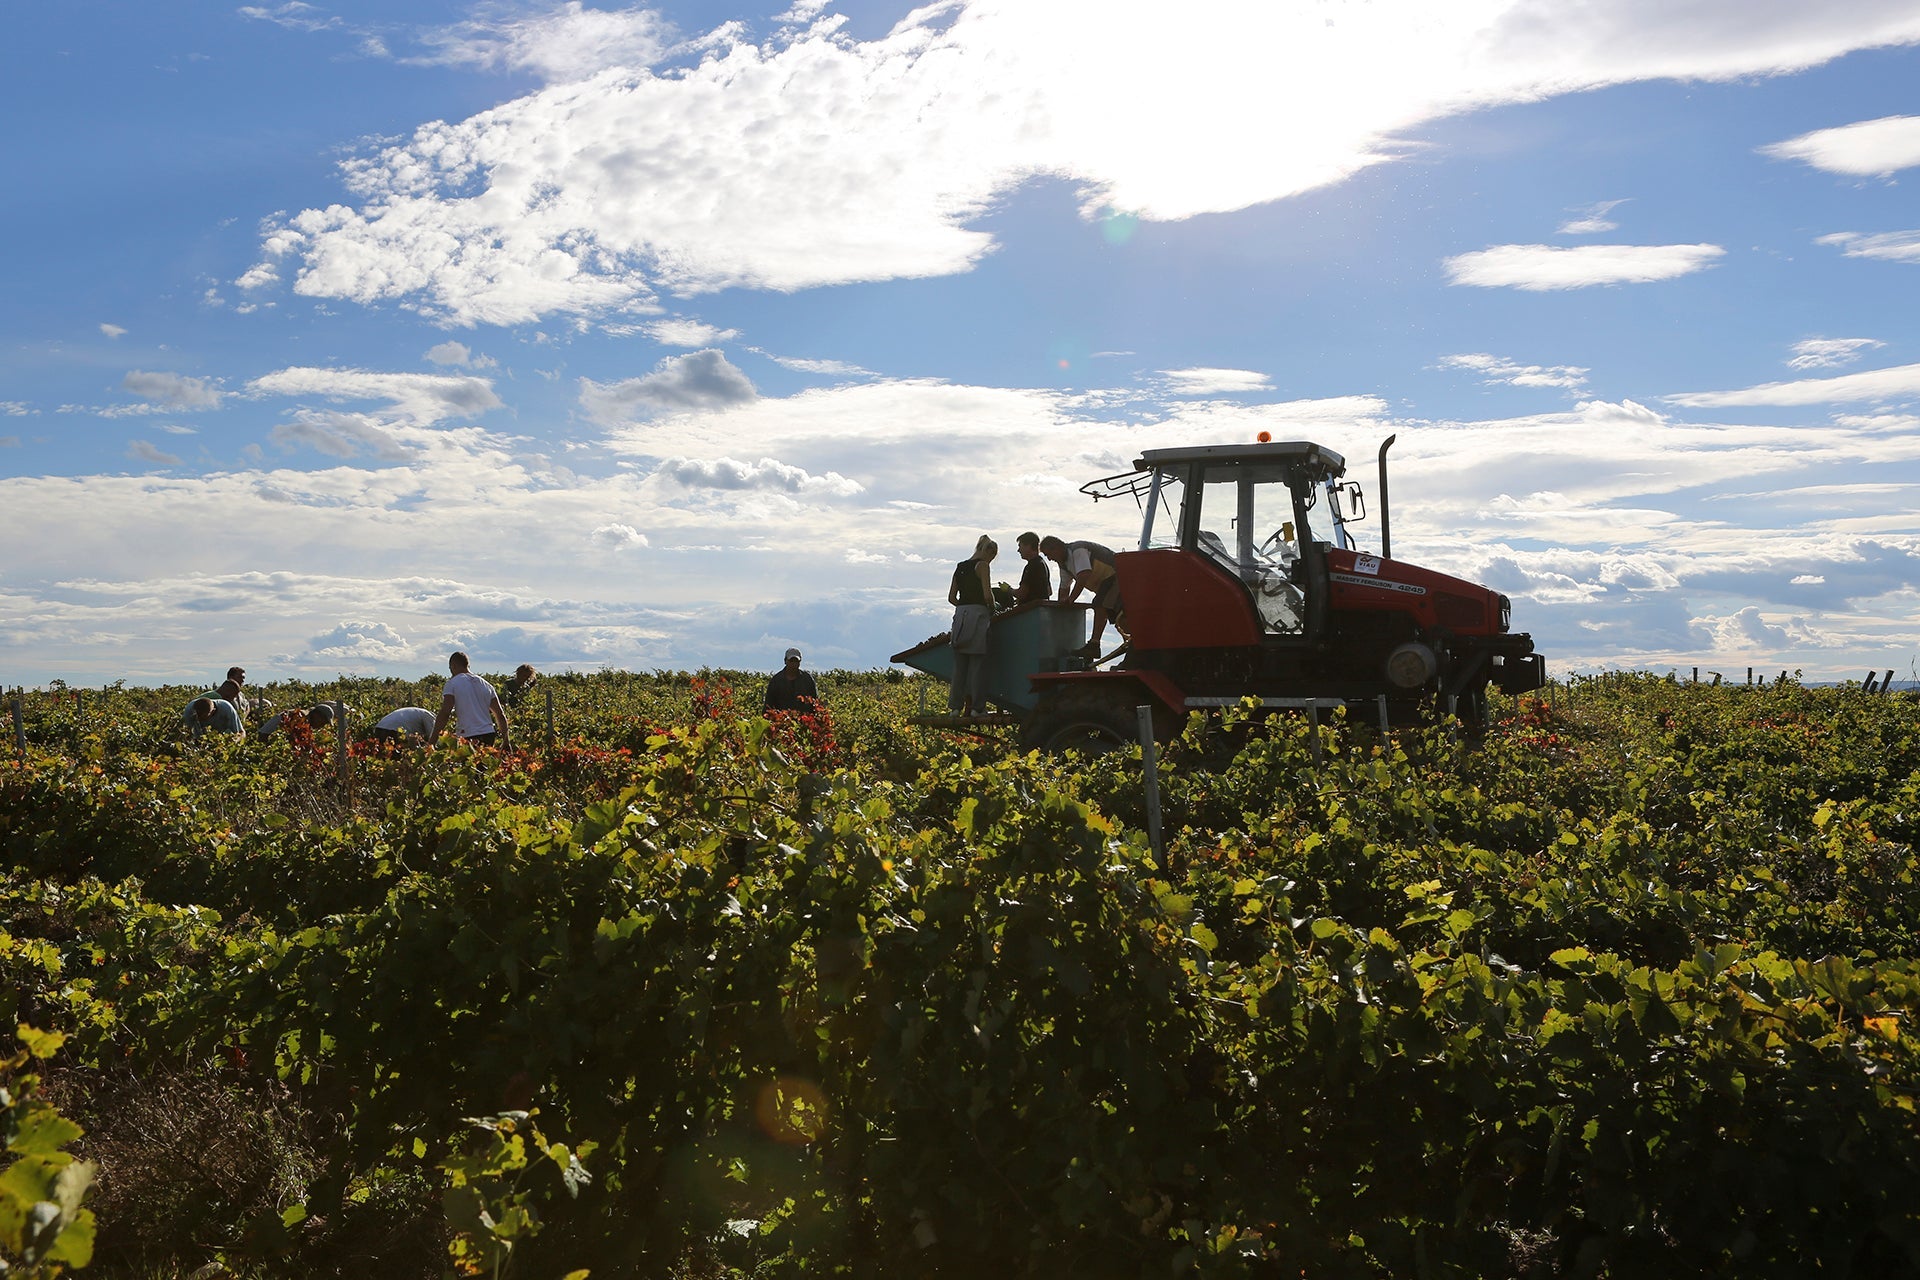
[1353, 500]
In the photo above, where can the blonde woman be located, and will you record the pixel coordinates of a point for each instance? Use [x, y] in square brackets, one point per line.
[971, 596]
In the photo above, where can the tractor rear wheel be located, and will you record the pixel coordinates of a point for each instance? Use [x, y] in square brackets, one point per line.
[1089, 721]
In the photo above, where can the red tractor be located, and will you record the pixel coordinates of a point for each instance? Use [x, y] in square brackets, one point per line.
[1246, 581]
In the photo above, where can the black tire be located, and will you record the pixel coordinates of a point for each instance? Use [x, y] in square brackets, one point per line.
[1090, 721]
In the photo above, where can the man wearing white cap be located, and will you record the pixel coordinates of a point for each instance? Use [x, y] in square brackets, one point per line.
[790, 688]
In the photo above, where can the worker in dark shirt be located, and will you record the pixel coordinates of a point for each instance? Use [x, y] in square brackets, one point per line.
[791, 689]
[1034, 582]
[524, 678]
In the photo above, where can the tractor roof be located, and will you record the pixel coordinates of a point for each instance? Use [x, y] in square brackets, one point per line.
[1293, 453]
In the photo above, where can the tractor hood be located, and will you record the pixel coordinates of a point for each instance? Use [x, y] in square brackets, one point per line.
[1360, 583]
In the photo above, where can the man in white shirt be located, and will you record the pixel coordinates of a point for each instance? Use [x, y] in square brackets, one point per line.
[1089, 566]
[470, 702]
[417, 721]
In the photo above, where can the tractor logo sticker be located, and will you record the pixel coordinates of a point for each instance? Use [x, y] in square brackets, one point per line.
[1367, 564]
[1379, 584]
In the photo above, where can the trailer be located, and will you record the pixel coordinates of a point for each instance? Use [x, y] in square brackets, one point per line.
[1036, 638]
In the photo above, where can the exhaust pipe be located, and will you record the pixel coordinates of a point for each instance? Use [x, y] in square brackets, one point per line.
[1386, 522]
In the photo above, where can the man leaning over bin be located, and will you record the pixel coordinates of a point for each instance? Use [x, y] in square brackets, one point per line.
[1088, 566]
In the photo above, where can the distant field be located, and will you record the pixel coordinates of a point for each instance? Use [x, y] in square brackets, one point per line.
[1626, 989]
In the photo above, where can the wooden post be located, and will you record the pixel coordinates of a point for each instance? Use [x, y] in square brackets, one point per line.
[1385, 723]
[340, 745]
[1873, 678]
[19, 722]
[1150, 776]
[549, 717]
[1886, 681]
[1313, 727]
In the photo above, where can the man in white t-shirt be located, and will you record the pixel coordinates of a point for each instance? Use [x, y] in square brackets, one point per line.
[1089, 566]
[417, 721]
[470, 702]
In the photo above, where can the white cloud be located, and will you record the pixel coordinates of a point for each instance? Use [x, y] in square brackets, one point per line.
[1903, 422]
[258, 276]
[117, 410]
[1592, 220]
[147, 451]
[14, 408]
[172, 390]
[569, 43]
[687, 333]
[700, 381]
[1889, 246]
[1746, 630]
[1539, 267]
[618, 536]
[457, 353]
[820, 159]
[293, 15]
[1868, 148]
[418, 398]
[113, 331]
[175, 429]
[1499, 369]
[339, 435]
[768, 473]
[834, 368]
[1213, 382]
[373, 641]
[802, 12]
[1899, 382]
[1829, 353]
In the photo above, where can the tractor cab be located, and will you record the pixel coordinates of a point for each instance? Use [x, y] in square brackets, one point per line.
[1234, 542]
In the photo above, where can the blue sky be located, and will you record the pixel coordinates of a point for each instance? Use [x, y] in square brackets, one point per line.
[666, 337]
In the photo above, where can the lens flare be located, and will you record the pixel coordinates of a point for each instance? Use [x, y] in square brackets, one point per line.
[791, 1110]
[1117, 227]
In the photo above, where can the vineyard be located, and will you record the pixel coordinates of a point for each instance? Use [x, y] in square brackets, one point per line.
[1628, 988]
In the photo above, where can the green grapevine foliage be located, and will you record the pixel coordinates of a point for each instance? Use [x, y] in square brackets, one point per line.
[1628, 987]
